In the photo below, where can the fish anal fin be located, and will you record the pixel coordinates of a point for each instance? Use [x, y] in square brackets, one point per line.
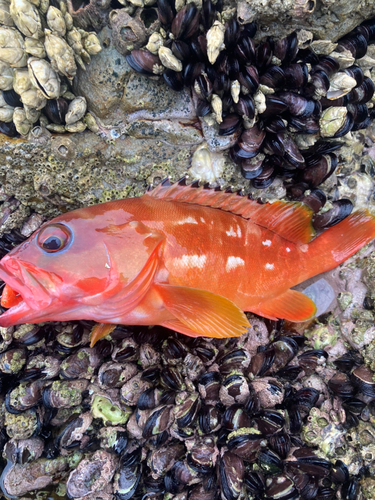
[291, 305]
[99, 331]
[291, 220]
[203, 313]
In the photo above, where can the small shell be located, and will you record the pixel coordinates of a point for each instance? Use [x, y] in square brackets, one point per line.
[5, 17]
[331, 120]
[20, 121]
[217, 107]
[76, 111]
[340, 85]
[91, 123]
[169, 60]
[235, 89]
[215, 41]
[68, 21]
[79, 126]
[55, 21]
[6, 111]
[6, 76]
[35, 47]
[33, 98]
[12, 47]
[43, 6]
[32, 114]
[54, 127]
[154, 43]
[260, 102]
[74, 39]
[21, 81]
[44, 78]
[26, 17]
[91, 44]
[61, 55]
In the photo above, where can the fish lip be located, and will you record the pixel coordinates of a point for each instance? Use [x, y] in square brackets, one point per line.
[21, 277]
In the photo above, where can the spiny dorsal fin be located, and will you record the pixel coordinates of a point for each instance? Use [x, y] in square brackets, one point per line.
[291, 220]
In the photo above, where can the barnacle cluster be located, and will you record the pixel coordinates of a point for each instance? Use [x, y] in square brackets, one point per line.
[39, 52]
[277, 102]
[148, 413]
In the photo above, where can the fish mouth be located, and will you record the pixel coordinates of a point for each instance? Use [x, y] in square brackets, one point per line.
[36, 290]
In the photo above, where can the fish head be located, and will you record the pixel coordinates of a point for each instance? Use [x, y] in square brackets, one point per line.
[71, 265]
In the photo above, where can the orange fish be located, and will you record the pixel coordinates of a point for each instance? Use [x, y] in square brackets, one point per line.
[188, 258]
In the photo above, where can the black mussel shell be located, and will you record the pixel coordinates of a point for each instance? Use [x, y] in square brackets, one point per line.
[245, 106]
[231, 471]
[263, 54]
[296, 75]
[245, 49]
[209, 419]
[350, 489]
[363, 93]
[341, 385]
[287, 48]
[8, 129]
[270, 462]
[203, 107]
[166, 11]
[232, 33]
[274, 77]
[272, 145]
[249, 78]
[292, 154]
[269, 422]
[299, 105]
[129, 475]
[191, 72]
[274, 124]
[251, 168]
[308, 125]
[274, 106]
[316, 199]
[356, 43]
[341, 209]
[250, 142]
[328, 65]
[12, 98]
[281, 488]
[56, 109]
[362, 379]
[143, 61]
[319, 168]
[255, 483]
[174, 79]
[235, 417]
[186, 22]
[157, 422]
[181, 50]
[208, 14]
[280, 443]
[356, 73]
[230, 124]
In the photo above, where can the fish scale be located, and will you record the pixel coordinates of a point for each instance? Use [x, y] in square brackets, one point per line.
[185, 257]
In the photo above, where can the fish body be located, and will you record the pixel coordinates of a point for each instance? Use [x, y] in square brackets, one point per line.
[187, 258]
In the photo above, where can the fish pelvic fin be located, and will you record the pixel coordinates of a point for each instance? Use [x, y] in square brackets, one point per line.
[338, 243]
[99, 331]
[202, 313]
[291, 305]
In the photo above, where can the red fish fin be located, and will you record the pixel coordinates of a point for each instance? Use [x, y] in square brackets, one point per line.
[339, 242]
[292, 221]
[204, 313]
[291, 305]
[177, 326]
[99, 331]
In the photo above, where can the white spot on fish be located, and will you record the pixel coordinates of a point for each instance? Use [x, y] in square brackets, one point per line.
[188, 220]
[233, 262]
[231, 232]
[269, 266]
[202, 220]
[191, 261]
[304, 248]
[288, 249]
[107, 266]
[239, 231]
[266, 243]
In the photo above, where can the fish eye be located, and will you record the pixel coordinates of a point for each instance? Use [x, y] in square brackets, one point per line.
[54, 238]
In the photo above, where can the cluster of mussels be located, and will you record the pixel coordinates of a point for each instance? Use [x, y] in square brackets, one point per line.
[36, 90]
[274, 100]
[149, 413]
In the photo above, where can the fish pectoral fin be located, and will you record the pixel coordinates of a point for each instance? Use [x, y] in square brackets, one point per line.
[99, 331]
[291, 305]
[178, 326]
[202, 312]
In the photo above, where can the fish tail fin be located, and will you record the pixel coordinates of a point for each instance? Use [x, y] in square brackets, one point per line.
[340, 242]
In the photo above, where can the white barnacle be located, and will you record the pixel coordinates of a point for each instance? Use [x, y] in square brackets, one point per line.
[169, 60]
[235, 89]
[215, 41]
[266, 243]
[269, 266]
[217, 107]
[340, 84]
[233, 262]
[154, 43]
[206, 166]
